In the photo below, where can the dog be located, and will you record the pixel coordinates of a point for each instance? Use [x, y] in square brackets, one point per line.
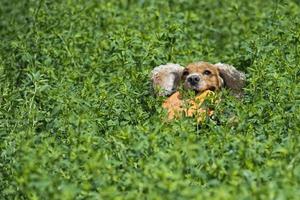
[202, 77]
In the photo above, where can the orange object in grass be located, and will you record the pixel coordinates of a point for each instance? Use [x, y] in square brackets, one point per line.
[177, 107]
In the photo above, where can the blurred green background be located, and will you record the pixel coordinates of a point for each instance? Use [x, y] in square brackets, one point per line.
[78, 121]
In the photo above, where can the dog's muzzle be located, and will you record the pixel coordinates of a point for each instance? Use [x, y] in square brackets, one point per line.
[193, 79]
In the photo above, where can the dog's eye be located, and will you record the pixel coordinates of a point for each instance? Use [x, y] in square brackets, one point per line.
[185, 73]
[207, 72]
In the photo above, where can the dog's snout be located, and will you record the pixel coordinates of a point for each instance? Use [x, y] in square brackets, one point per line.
[193, 79]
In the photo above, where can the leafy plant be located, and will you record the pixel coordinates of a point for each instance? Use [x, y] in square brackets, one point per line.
[78, 121]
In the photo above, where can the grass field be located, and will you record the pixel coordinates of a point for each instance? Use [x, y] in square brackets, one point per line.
[78, 121]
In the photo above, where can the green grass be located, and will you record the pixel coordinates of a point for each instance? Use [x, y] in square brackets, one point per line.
[78, 121]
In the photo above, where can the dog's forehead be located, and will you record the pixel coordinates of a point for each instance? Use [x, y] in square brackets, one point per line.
[200, 67]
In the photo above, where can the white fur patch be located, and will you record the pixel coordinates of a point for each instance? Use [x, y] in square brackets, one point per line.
[165, 78]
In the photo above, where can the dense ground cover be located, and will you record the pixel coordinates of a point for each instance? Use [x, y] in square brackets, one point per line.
[78, 120]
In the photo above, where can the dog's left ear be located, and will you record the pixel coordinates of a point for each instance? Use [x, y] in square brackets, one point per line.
[232, 78]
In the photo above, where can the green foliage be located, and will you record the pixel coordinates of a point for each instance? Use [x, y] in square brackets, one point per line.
[78, 120]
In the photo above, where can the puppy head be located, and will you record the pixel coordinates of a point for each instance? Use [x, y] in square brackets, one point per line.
[198, 76]
[202, 76]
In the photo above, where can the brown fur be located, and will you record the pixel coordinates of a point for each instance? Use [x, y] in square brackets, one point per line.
[177, 107]
[211, 81]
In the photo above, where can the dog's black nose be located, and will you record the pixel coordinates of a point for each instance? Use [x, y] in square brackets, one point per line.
[193, 79]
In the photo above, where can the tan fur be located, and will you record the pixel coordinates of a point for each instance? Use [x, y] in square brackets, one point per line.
[177, 107]
[212, 81]
[233, 79]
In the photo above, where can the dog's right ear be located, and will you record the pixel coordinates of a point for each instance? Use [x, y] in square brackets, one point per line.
[166, 79]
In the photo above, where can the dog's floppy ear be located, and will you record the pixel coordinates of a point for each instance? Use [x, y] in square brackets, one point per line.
[232, 78]
[166, 78]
